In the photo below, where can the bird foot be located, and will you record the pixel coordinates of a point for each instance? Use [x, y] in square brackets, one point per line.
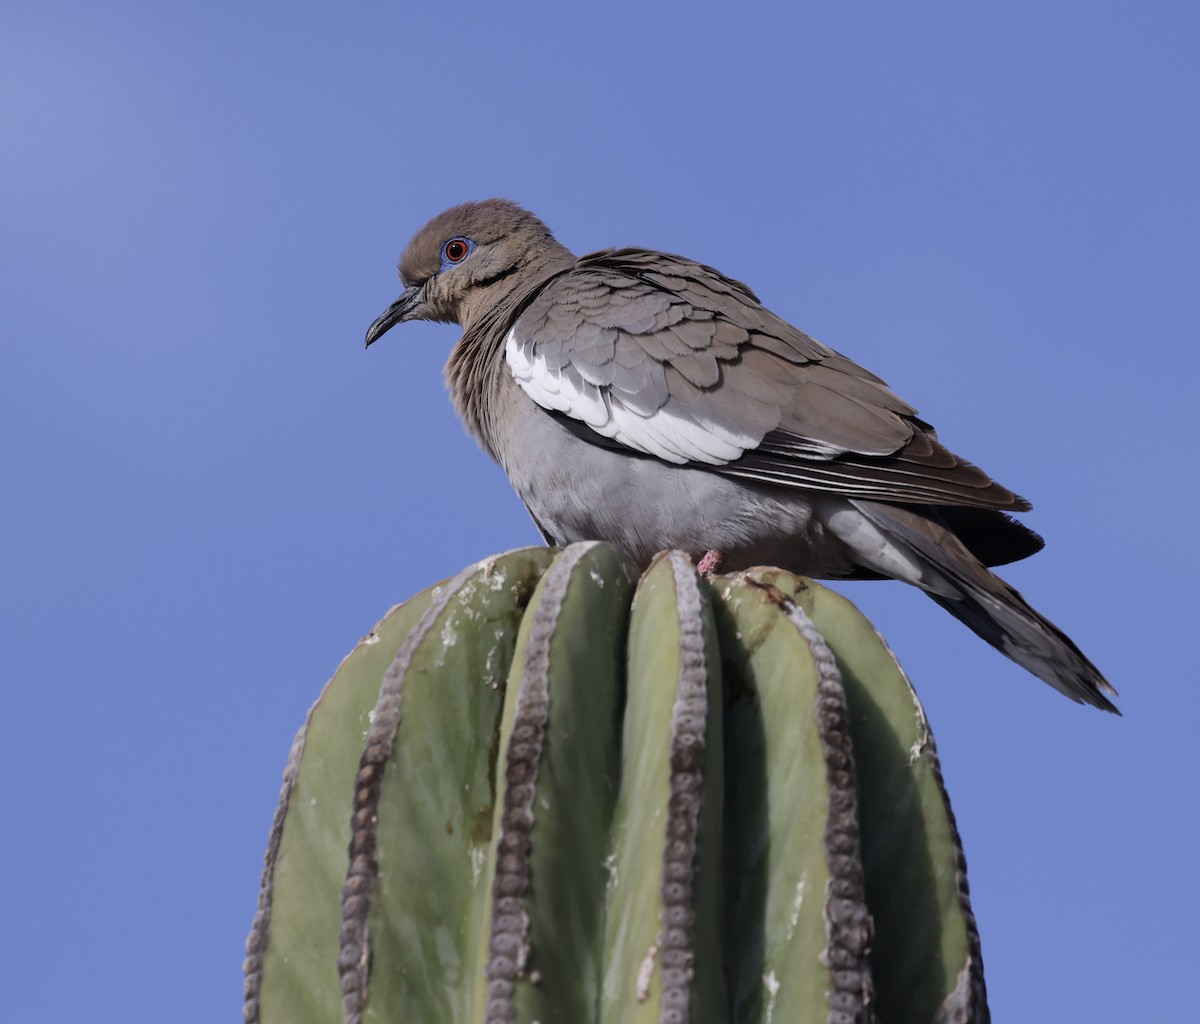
[710, 563]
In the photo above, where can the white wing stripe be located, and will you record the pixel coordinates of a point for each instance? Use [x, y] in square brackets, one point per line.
[667, 432]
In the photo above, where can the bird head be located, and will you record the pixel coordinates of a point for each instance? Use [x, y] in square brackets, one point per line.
[469, 260]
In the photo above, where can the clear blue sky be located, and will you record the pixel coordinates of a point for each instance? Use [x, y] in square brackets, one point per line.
[211, 491]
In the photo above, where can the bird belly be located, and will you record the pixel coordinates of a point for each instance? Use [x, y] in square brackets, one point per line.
[576, 491]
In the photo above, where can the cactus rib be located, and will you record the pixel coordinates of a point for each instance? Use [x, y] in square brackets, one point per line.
[508, 946]
[354, 959]
[256, 943]
[688, 719]
[848, 921]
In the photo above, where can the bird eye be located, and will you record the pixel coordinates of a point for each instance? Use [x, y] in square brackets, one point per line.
[455, 250]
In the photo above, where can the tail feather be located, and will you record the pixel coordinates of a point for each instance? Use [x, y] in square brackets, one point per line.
[960, 583]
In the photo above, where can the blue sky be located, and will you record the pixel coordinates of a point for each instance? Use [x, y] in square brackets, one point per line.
[211, 490]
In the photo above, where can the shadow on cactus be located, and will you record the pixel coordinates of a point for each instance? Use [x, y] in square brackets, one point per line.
[548, 790]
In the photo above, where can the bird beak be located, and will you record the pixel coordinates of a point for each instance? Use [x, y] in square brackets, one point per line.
[396, 313]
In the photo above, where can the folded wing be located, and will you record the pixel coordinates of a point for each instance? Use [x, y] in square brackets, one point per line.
[668, 358]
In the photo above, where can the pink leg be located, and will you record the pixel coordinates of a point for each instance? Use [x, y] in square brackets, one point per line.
[710, 563]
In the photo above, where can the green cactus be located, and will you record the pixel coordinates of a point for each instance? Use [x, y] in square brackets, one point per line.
[546, 790]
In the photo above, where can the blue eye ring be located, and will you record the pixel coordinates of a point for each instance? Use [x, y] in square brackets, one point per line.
[456, 250]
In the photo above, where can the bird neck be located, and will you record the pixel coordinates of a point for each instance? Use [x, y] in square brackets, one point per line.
[473, 370]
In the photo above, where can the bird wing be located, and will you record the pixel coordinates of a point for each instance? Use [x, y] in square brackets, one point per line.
[661, 356]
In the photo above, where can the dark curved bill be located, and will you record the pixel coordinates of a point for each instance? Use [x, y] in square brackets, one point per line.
[396, 313]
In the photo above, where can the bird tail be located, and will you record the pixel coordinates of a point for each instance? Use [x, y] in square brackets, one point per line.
[978, 598]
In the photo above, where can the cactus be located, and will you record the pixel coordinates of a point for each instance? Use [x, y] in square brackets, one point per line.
[548, 790]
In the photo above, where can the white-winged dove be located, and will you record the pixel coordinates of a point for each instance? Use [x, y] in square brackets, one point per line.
[641, 398]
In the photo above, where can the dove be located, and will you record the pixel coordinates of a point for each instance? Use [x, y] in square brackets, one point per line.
[644, 399]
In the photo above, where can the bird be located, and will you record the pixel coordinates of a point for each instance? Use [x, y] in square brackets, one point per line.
[647, 400]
